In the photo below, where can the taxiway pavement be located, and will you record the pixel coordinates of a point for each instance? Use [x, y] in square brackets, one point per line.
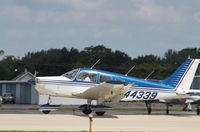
[61, 121]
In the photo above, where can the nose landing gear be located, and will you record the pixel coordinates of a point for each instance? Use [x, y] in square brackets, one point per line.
[47, 108]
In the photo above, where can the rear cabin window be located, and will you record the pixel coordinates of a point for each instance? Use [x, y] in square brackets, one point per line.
[104, 78]
[87, 77]
[119, 79]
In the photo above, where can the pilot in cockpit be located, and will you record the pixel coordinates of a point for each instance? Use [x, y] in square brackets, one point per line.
[84, 77]
[87, 79]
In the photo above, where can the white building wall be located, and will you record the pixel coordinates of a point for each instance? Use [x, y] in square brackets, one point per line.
[17, 93]
[196, 83]
[34, 95]
[3, 89]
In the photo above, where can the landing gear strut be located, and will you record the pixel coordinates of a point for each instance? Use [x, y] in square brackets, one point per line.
[167, 109]
[148, 105]
[48, 103]
[49, 100]
[86, 109]
[47, 108]
[187, 107]
[198, 109]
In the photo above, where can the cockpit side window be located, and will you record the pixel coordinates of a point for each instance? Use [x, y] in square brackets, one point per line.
[87, 77]
[104, 78]
[71, 74]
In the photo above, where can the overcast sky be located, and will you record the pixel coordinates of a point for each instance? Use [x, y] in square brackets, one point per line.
[137, 27]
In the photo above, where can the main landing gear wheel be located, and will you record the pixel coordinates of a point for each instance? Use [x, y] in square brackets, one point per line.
[46, 111]
[87, 112]
[98, 109]
[100, 113]
[86, 109]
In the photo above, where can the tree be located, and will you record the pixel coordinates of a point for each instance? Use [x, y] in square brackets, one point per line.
[1, 52]
[58, 61]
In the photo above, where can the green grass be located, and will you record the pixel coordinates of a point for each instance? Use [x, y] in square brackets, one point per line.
[144, 109]
[40, 131]
[130, 109]
[117, 108]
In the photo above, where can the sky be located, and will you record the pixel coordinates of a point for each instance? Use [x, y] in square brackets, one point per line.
[136, 27]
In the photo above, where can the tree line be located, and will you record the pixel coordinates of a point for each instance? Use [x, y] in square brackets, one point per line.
[58, 61]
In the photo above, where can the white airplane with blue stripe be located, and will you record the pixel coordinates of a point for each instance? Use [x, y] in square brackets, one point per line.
[103, 86]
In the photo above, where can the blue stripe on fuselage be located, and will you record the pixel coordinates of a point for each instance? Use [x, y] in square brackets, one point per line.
[127, 79]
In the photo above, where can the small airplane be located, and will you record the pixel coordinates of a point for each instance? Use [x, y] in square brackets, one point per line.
[194, 98]
[103, 86]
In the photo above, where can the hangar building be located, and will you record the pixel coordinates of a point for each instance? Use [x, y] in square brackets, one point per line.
[25, 93]
[196, 82]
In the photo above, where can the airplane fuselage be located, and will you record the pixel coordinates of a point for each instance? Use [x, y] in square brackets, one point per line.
[61, 86]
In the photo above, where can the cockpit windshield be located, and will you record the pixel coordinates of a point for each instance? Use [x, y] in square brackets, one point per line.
[71, 74]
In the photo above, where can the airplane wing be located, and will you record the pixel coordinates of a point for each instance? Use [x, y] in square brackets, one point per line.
[194, 96]
[173, 101]
[106, 92]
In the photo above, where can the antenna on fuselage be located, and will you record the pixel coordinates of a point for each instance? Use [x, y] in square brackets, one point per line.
[149, 75]
[95, 64]
[130, 70]
[35, 74]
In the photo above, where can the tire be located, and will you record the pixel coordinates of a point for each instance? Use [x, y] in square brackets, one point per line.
[87, 112]
[46, 111]
[100, 113]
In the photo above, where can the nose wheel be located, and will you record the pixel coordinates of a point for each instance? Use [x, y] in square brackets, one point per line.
[47, 108]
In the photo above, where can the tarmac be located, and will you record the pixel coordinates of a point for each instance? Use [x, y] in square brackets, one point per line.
[68, 120]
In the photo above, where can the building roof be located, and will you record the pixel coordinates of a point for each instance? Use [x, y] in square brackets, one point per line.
[25, 76]
[197, 76]
[21, 78]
